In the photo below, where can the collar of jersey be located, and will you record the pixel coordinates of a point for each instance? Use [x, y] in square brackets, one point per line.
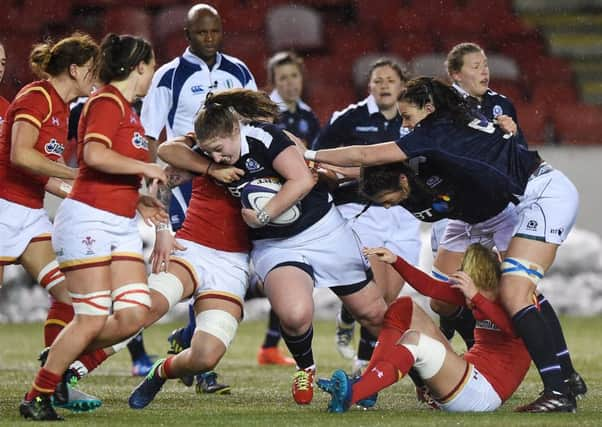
[191, 57]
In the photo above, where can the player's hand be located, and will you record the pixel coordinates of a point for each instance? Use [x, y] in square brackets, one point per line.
[225, 173]
[165, 244]
[506, 123]
[381, 254]
[249, 216]
[463, 282]
[151, 210]
[154, 171]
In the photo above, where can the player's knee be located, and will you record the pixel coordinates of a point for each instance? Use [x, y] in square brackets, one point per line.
[296, 320]
[429, 353]
[168, 286]
[219, 323]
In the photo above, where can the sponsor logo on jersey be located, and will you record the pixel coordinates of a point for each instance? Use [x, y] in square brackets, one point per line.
[55, 121]
[433, 181]
[532, 225]
[54, 147]
[133, 119]
[139, 141]
[366, 128]
[252, 165]
[424, 215]
[197, 89]
[558, 231]
[486, 324]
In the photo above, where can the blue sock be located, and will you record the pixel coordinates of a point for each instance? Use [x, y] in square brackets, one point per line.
[188, 331]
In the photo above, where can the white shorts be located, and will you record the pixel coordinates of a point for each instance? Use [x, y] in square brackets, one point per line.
[475, 395]
[394, 228]
[215, 273]
[548, 209]
[437, 232]
[85, 236]
[496, 231]
[19, 226]
[329, 247]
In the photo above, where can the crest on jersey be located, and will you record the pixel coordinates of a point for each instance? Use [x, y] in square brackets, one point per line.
[303, 126]
[532, 225]
[54, 147]
[88, 242]
[55, 121]
[497, 110]
[252, 165]
[139, 141]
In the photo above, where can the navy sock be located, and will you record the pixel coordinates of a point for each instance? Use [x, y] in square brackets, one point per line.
[532, 328]
[300, 347]
[188, 331]
[366, 345]
[136, 348]
[562, 351]
[272, 335]
[346, 316]
[462, 321]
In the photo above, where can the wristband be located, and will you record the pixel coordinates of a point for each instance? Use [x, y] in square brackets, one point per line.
[310, 155]
[263, 217]
[208, 167]
[162, 226]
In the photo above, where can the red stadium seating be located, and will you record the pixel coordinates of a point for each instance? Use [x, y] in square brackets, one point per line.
[348, 40]
[409, 45]
[510, 89]
[251, 49]
[326, 98]
[127, 20]
[534, 122]
[294, 27]
[548, 95]
[578, 124]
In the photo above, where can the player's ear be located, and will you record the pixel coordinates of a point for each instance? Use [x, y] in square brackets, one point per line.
[429, 107]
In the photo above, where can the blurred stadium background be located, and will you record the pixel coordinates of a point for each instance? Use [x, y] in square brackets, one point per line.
[543, 54]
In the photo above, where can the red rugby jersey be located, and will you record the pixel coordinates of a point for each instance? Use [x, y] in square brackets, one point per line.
[213, 218]
[39, 104]
[108, 118]
[497, 353]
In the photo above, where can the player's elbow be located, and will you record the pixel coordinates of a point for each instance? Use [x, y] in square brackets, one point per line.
[19, 157]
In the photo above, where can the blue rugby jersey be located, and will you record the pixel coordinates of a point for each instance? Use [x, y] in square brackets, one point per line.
[472, 171]
[358, 124]
[302, 123]
[261, 143]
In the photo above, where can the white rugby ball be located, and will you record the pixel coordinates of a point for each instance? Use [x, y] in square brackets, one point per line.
[257, 193]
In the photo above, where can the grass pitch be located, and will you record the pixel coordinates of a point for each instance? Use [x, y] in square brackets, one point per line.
[261, 395]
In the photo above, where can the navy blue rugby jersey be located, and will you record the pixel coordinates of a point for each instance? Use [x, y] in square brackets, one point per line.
[358, 124]
[261, 143]
[485, 167]
[438, 192]
[302, 123]
[493, 104]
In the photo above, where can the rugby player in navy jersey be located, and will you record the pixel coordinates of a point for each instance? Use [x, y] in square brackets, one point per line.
[468, 69]
[488, 160]
[289, 259]
[372, 120]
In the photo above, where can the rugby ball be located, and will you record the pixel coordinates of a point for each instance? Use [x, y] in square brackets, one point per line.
[257, 193]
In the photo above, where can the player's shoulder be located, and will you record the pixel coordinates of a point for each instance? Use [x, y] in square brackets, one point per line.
[351, 112]
[496, 96]
[264, 132]
[236, 68]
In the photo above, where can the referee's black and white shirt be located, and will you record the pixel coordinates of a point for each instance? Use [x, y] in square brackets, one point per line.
[302, 123]
[358, 124]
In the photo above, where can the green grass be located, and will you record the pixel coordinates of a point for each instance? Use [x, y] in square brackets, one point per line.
[261, 395]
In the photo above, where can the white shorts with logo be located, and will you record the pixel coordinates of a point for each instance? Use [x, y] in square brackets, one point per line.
[437, 232]
[19, 225]
[394, 228]
[475, 395]
[548, 209]
[214, 272]
[496, 231]
[85, 236]
[329, 246]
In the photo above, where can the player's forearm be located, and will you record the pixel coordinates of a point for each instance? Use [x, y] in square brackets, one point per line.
[153, 144]
[291, 192]
[428, 285]
[181, 156]
[99, 157]
[35, 162]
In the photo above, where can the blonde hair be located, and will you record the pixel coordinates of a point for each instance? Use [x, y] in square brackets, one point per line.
[483, 267]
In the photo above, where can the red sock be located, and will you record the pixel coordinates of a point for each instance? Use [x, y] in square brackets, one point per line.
[397, 362]
[44, 383]
[93, 359]
[166, 368]
[59, 315]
